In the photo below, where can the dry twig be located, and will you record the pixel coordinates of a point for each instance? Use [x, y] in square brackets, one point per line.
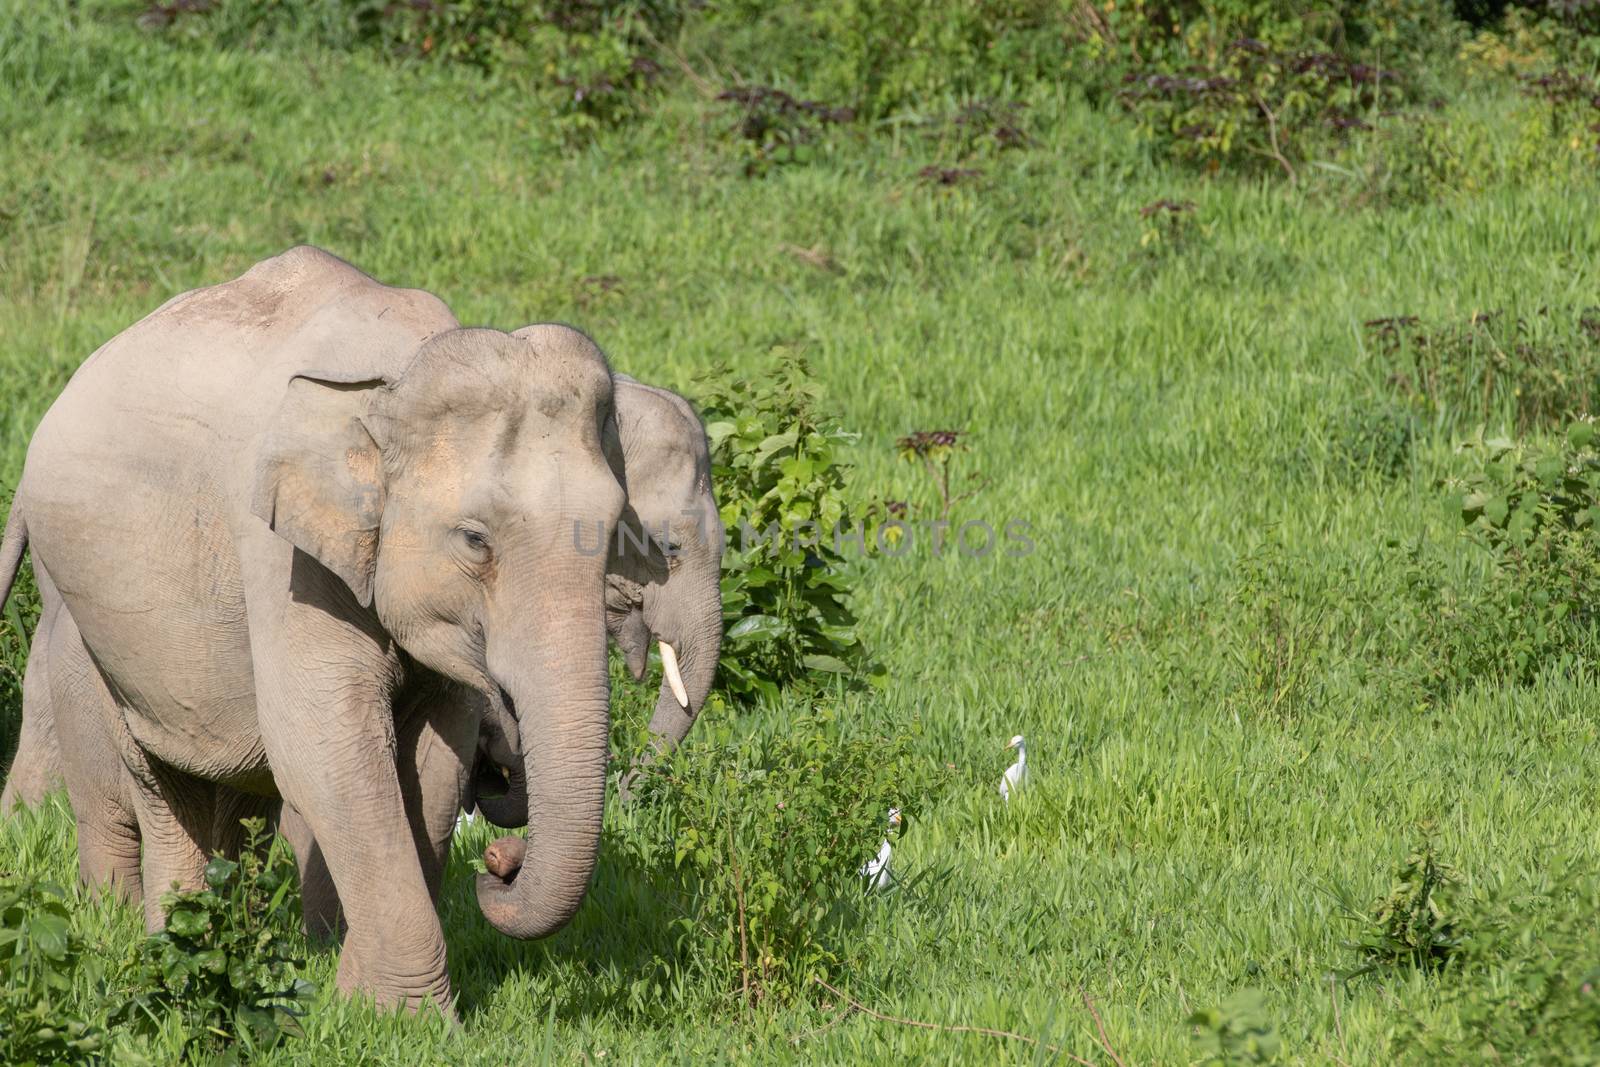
[703, 87]
[1338, 1022]
[1272, 133]
[744, 952]
[1105, 1042]
[815, 256]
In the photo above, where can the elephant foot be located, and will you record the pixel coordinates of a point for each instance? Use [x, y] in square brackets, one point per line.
[504, 857]
[357, 976]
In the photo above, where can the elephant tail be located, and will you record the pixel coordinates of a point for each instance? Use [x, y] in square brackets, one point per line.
[12, 545]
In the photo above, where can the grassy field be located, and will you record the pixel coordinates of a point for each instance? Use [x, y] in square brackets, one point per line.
[1211, 650]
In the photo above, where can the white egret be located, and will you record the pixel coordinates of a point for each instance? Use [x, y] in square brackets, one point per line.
[1016, 776]
[876, 870]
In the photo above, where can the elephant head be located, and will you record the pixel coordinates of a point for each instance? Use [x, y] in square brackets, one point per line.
[451, 499]
[663, 582]
[667, 473]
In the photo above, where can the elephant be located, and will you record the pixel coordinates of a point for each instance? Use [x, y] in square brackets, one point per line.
[309, 531]
[674, 597]
[667, 476]
[667, 473]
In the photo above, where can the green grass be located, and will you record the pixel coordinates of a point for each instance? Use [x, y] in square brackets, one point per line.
[1154, 414]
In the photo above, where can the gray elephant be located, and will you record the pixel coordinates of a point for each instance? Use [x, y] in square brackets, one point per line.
[673, 598]
[308, 528]
[667, 471]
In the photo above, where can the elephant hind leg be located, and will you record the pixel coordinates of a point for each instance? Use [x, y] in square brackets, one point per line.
[176, 813]
[84, 716]
[108, 848]
[36, 768]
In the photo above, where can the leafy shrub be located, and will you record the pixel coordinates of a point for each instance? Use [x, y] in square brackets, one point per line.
[1412, 158]
[1415, 924]
[982, 126]
[1529, 610]
[1531, 371]
[782, 490]
[225, 962]
[767, 836]
[883, 57]
[1523, 989]
[1282, 640]
[1534, 509]
[1172, 31]
[774, 128]
[41, 958]
[1236, 1031]
[1572, 104]
[591, 60]
[935, 451]
[1258, 104]
[1169, 225]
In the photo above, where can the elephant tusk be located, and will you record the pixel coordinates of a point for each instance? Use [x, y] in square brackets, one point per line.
[669, 666]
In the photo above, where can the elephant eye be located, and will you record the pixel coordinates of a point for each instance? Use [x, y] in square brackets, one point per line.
[474, 543]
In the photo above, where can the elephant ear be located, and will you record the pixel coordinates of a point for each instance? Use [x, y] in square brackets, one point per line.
[319, 477]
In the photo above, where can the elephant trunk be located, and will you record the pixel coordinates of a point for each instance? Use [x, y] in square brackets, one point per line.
[507, 808]
[557, 681]
[687, 614]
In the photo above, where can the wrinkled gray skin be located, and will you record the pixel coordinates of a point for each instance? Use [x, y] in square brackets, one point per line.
[676, 599]
[667, 472]
[308, 528]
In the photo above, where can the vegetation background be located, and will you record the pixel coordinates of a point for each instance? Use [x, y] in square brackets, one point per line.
[1277, 327]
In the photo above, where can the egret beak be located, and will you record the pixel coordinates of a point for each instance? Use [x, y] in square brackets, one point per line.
[669, 667]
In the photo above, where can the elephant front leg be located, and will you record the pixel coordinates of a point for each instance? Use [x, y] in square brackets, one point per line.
[438, 739]
[332, 745]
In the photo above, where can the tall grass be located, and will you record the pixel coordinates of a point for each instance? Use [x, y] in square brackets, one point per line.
[1156, 412]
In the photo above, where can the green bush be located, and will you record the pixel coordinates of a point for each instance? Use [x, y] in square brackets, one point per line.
[1376, 439]
[1283, 637]
[226, 961]
[1525, 988]
[1571, 105]
[590, 61]
[782, 490]
[766, 836]
[1533, 509]
[1415, 924]
[1236, 1031]
[1529, 608]
[884, 57]
[772, 128]
[41, 960]
[1257, 105]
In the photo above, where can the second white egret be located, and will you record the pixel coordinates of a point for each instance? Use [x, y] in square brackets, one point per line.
[876, 870]
[1016, 776]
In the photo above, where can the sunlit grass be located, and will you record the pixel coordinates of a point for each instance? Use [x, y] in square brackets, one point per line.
[1153, 415]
